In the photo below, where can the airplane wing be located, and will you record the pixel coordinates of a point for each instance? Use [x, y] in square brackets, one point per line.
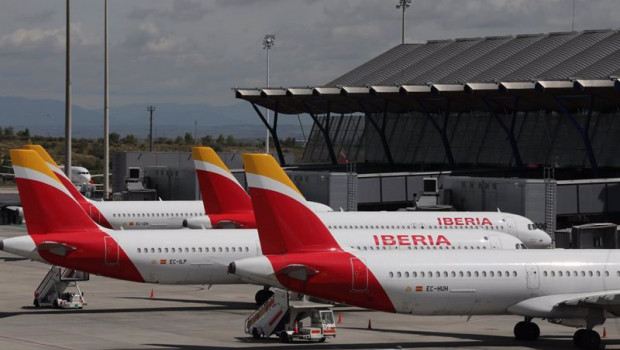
[557, 305]
[297, 271]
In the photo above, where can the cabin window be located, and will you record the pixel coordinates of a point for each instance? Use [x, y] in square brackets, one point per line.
[172, 249]
[460, 273]
[606, 273]
[139, 251]
[152, 250]
[415, 274]
[590, 273]
[166, 250]
[159, 250]
[598, 273]
[391, 274]
[514, 273]
[398, 274]
[476, 274]
[468, 273]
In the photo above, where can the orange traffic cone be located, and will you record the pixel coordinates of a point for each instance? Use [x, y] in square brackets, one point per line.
[152, 294]
[339, 317]
[369, 324]
[296, 329]
[604, 332]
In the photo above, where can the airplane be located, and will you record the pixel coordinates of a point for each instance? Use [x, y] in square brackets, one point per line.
[79, 175]
[227, 205]
[60, 233]
[218, 186]
[137, 215]
[578, 288]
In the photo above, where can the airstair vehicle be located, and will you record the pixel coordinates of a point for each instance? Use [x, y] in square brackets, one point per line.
[283, 315]
[53, 289]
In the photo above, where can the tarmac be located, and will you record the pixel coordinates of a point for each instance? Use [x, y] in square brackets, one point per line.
[123, 315]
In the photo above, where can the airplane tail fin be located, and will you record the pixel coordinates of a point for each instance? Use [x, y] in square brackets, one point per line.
[59, 173]
[48, 205]
[285, 222]
[221, 192]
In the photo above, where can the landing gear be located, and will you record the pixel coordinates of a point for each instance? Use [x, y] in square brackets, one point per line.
[262, 296]
[526, 330]
[587, 339]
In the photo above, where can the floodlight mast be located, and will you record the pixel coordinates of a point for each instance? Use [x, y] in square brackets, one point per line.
[403, 4]
[268, 43]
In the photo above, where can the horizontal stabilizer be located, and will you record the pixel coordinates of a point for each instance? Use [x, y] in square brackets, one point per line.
[297, 271]
[55, 248]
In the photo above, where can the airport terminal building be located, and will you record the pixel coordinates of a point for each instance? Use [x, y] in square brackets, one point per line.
[494, 107]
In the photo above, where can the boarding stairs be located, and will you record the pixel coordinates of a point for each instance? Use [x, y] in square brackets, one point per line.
[55, 282]
[266, 319]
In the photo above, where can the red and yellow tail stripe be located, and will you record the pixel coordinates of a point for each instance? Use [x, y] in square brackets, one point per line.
[221, 192]
[48, 205]
[206, 159]
[59, 174]
[27, 164]
[285, 222]
[262, 171]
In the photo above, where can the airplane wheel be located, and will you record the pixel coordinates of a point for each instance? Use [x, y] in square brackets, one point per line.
[322, 340]
[284, 337]
[255, 333]
[36, 302]
[587, 339]
[526, 331]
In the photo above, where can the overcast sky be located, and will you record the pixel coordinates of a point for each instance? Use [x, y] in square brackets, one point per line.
[195, 51]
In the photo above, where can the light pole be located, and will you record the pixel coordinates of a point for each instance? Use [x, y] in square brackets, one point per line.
[151, 109]
[106, 106]
[68, 95]
[404, 4]
[268, 42]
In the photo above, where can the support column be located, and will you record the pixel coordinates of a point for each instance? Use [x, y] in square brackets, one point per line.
[272, 130]
[584, 136]
[509, 132]
[442, 132]
[380, 130]
[324, 130]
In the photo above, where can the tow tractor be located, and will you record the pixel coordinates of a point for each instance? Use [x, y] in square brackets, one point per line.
[322, 324]
[285, 318]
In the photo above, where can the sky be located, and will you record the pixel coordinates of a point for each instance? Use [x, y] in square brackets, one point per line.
[196, 51]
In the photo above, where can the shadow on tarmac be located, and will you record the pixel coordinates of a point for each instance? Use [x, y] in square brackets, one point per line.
[462, 340]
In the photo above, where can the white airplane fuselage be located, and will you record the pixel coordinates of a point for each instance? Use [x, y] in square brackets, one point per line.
[201, 256]
[523, 282]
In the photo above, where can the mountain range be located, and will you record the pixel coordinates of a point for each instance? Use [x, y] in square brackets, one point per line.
[46, 117]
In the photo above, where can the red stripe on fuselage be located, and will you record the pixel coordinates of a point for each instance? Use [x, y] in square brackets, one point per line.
[89, 255]
[334, 281]
[228, 198]
[88, 207]
[290, 227]
[52, 216]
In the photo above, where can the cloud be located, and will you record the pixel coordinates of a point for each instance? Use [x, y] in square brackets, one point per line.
[147, 38]
[181, 11]
[41, 41]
